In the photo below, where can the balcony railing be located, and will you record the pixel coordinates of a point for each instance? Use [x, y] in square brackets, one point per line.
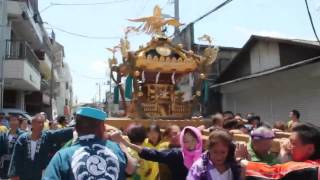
[31, 4]
[20, 50]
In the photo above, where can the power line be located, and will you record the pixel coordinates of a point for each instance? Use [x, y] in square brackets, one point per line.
[164, 6]
[82, 35]
[44, 9]
[311, 22]
[82, 4]
[88, 4]
[213, 10]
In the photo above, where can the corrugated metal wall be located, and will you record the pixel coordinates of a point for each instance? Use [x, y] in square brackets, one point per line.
[274, 96]
[264, 55]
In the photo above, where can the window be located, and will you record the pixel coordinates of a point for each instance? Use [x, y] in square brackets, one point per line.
[66, 102]
[67, 85]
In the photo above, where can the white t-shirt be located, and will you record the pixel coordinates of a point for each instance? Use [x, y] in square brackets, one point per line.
[33, 149]
[10, 137]
[215, 174]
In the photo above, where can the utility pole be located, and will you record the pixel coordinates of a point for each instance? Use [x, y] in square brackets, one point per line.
[110, 83]
[51, 89]
[52, 57]
[3, 26]
[104, 92]
[99, 89]
[176, 15]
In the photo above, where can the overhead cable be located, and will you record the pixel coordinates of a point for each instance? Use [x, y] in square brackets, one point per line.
[211, 11]
[81, 35]
[311, 22]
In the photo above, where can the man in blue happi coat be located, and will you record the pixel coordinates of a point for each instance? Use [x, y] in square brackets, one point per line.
[90, 156]
[31, 152]
[7, 142]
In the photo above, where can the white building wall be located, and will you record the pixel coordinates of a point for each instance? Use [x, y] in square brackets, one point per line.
[64, 93]
[68, 79]
[274, 96]
[60, 99]
[62, 68]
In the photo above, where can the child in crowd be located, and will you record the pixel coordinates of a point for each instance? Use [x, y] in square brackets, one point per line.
[218, 163]
[170, 140]
[154, 141]
[179, 160]
[171, 135]
[137, 134]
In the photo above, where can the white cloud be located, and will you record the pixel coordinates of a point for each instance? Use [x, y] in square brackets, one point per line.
[99, 67]
[318, 7]
[248, 32]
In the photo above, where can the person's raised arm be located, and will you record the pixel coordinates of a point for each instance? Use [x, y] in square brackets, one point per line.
[242, 156]
[284, 154]
[132, 163]
[61, 135]
[117, 137]
[165, 156]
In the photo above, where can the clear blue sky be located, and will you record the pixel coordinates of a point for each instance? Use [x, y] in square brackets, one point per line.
[230, 26]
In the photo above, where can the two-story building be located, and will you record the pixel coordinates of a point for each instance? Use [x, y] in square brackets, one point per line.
[272, 76]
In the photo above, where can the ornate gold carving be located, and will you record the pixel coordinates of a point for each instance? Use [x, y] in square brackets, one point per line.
[154, 24]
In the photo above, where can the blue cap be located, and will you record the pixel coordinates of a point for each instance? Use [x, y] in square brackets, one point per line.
[92, 113]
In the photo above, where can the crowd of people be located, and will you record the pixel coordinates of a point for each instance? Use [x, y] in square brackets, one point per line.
[88, 148]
